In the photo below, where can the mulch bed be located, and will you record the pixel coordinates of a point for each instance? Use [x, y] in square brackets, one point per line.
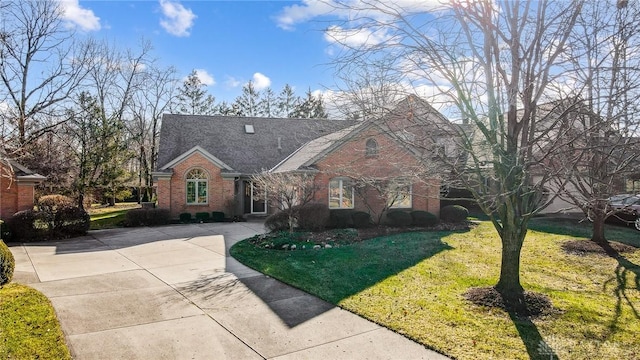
[536, 304]
[586, 247]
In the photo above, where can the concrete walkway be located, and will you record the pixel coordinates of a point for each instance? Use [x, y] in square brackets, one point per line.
[173, 292]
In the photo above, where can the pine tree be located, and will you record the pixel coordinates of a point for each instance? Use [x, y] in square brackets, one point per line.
[311, 107]
[267, 106]
[193, 98]
[247, 103]
[287, 102]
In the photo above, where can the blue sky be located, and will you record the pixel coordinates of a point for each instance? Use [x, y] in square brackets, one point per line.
[230, 42]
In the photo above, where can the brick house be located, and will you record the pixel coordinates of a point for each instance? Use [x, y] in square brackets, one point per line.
[205, 163]
[17, 187]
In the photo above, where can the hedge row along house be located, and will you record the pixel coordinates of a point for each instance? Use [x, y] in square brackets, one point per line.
[208, 163]
[17, 187]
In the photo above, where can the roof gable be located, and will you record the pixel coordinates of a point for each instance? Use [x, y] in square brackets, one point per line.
[197, 149]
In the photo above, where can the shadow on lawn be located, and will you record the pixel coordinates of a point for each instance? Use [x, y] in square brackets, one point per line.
[332, 274]
[623, 271]
[537, 347]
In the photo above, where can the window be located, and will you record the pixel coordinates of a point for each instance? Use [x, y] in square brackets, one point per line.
[372, 148]
[197, 185]
[400, 196]
[340, 194]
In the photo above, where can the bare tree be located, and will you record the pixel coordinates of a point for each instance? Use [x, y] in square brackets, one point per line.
[40, 66]
[606, 77]
[493, 62]
[287, 191]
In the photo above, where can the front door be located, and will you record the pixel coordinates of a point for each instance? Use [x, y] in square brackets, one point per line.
[254, 199]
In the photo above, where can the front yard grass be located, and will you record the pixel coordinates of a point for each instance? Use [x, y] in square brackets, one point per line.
[414, 283]
[29, 328]
[111, 216]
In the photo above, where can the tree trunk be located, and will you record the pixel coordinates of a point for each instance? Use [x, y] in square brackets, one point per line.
[509, 283]
[598, 229]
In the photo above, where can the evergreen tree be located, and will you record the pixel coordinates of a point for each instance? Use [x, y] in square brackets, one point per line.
[193, 98]
[267, 106]
[311, 107]
[247, 103]
[287, 102]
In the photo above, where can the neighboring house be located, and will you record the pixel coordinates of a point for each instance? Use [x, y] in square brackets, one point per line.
[205, 163]
[17, 187]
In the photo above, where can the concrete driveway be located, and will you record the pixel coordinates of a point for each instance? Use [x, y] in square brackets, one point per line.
[173, 292]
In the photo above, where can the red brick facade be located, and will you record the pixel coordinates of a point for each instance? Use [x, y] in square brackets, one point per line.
[349, 160]
[172, 190]
[14, 195]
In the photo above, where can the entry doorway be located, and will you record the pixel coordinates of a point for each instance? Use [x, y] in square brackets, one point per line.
[254, 198]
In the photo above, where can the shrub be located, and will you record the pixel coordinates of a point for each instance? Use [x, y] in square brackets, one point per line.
[217, 216]
[453, 213]
[147, 217]
[361, 219]
[278, 221]
[341, 219]
[71, 221]
[399, 218]
[312, 216]
[202, 216]
[7, 264]
[52, 203]
[185, 217]
[423, 218]
[22, 226]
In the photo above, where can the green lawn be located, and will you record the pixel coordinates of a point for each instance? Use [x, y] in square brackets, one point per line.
[29, 328]
[413, 283]
[109, 217]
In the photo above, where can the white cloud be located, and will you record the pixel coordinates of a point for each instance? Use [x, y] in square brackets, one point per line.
[177, 20]
[232, 82]
[350, 10]
[205, 78]
[354, 37]
[78, 16]
[260, 81]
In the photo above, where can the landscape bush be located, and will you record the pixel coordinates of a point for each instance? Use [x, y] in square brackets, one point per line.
[147, 217]
[7, 264]
[453, 213]
[278, 221]
[341, 218]
[423, 218]
[22, 226]
[399, 218]
[185, 218]
[361, 219]
[202, 217]
[217, 216]
[52, 203]
[70, 221]
[312, 216]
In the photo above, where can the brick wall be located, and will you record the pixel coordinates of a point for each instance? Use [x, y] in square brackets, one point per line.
[392, 161]
[172, 192]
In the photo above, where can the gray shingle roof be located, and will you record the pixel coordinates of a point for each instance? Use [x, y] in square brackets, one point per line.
[226, 139]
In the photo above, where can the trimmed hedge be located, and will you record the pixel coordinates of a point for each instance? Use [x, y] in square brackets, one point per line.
[399, 218]
[312, 216]
[71, 221]
[454, 213]
[53, 203]
[423, 218]
[7, 264]
[22, 226]
[341, 218]
[52, 222]
[202, 216]
[185, 217]
[217, 216]
[361, 219]
[147, 217]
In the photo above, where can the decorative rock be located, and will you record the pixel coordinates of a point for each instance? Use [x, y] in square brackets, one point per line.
[316, 247]
[327, 246]
[293, 247]
[285, 246]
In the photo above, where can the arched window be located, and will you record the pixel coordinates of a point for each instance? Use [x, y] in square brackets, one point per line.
[340, 194]
[372, 147]
[197, 187]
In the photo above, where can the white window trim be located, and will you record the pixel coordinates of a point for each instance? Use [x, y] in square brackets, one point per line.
[341, 184]
[395, 205]
[196, 183]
